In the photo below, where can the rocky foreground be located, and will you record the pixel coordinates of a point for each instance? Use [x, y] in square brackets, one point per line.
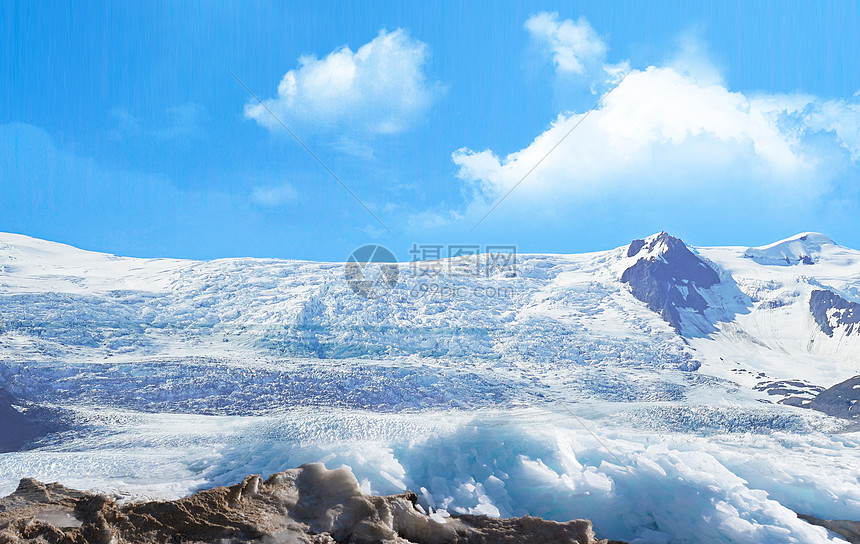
[309, 504]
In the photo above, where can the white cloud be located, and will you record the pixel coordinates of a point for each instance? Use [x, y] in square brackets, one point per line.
[574, 45]
[843, 119]
[662, 131]
[273, 196]
[692, 58]
[382, 88]
[658, 127]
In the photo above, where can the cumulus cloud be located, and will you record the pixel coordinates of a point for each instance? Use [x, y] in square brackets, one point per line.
[692, 58]
[657, 126]
[380, 89]
[574, 46]
[669, 128]
[672, 147]
[842, 119]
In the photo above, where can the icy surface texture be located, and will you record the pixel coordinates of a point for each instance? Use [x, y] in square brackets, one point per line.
[564, 396]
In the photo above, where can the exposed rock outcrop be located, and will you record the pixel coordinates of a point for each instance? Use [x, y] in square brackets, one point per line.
[793, 392]
[667, 277]
[850, 530]
[842, 400]
[832, 312]
[18, 426]
[310, 505]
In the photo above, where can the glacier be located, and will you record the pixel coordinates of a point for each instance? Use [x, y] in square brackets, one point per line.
[566, 396]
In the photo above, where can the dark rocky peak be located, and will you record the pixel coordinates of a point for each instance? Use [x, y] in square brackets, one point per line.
[673, 260]
[667, 276]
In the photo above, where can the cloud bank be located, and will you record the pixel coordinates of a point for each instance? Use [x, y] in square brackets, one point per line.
[380, 89]
[667, 129]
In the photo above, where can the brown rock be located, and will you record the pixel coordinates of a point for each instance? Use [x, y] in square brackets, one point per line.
[307, 505]
[850, 530]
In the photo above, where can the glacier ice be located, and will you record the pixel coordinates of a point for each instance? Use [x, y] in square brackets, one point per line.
[568, 398]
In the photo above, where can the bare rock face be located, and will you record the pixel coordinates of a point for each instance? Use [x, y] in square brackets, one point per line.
[13, 424]
[849, 530]
[832, 312]
[17, 427]
[842, 400]
[667, 277]
[307, 505]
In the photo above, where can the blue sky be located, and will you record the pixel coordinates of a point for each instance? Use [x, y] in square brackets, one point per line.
[122, 130]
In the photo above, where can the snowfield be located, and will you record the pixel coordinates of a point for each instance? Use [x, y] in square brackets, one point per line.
[564, 396]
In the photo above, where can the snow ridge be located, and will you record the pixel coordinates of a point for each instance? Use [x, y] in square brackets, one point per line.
[804, 248]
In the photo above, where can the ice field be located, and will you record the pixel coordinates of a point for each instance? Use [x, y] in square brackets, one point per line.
[562, 397]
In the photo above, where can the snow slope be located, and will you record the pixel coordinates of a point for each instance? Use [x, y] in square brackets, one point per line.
[556, 391]
[778, 337]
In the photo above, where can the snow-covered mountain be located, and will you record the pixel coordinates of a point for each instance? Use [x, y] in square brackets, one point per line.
[804, 248]
[632, 386]
[758, 316]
